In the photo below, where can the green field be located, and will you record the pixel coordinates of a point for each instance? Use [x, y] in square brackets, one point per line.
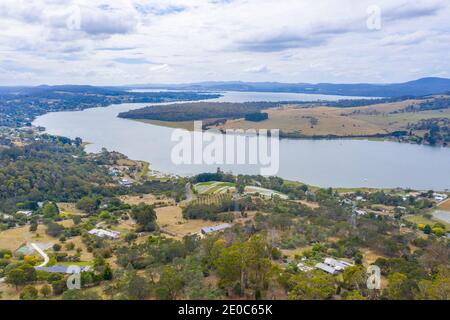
[213, 187]
[420, 219]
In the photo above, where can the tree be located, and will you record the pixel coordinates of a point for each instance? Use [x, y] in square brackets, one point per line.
[58, 286]
[76, 220]
[314, 285]
[137, 288]
[107, 272]
[54, 229]
[21, 275]
[50, 210]
[230, 265]
[46, 290]
[56, 247]
[88, 204]
[257, 262]
[33, 226]
[170, 284]
[438, 288]
[427, 229]
[353, 295]
[29, 293]
[354, 277]
[16, 277]
[400, 287]
[76, 294]
[145, 217]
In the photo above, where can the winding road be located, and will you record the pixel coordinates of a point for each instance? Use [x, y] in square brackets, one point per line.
[42, 253]
[188, 192]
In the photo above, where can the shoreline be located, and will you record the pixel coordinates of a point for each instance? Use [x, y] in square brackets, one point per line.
[391, 137]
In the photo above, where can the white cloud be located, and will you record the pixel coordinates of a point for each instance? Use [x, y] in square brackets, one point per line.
[258, 69]
[160, 68]
[140, 40]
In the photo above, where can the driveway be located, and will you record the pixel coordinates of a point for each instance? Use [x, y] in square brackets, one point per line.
[42, 253]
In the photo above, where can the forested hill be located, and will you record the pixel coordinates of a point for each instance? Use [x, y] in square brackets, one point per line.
[20, 105]
[420, 87]
[198, 111]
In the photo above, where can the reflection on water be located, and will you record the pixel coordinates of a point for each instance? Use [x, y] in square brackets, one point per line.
[442, 215]
[335, 163]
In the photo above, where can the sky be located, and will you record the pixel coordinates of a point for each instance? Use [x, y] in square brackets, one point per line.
[182, 41]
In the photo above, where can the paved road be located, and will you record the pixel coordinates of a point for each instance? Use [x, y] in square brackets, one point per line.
[42, 253]
[188, 192]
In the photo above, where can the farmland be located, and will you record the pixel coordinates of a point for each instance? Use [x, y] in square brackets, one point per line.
[215, 187]
[355, 121]
[388, 118]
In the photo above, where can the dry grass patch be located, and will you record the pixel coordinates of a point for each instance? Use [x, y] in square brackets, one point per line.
[147, 199]
[445, 206]
[370, 256]
[292, 253]
[170, 219]
[291, 119]
[187, 125]
[312, 205]
[67, 208]
[12, 239]
[85, 255]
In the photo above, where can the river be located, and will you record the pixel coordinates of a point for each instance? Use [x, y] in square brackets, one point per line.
[325, 163]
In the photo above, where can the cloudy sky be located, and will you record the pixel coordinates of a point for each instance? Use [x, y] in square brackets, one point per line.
[176, 41]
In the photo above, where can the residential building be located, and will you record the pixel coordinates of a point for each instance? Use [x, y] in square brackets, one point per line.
[26, 213]
[126, 183]
[102, 233]
[325, 267]
[338, 265]
[220, 227]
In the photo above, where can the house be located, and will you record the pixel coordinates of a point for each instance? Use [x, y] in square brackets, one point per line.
[332, 266]
[347, 201]
[439, 197]
[26, 213]
[126, 183]
[360, 212]
[338, 265]
[113, 171]
[65, 269]
[102, 233]
[220, 227]
[325, 267]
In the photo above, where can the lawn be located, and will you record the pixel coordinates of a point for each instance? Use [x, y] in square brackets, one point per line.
[419, 219]
[79, 264]
[212, 187]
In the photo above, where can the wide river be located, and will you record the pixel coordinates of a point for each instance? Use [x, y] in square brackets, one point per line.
[325, 163]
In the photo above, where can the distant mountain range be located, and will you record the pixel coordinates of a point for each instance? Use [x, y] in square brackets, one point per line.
[420, 87]
[416, 88]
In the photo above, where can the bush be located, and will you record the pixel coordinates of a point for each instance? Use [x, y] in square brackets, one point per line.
[29, 293]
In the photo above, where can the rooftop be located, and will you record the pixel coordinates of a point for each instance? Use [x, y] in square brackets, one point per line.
[64, 269]
[220, 227]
